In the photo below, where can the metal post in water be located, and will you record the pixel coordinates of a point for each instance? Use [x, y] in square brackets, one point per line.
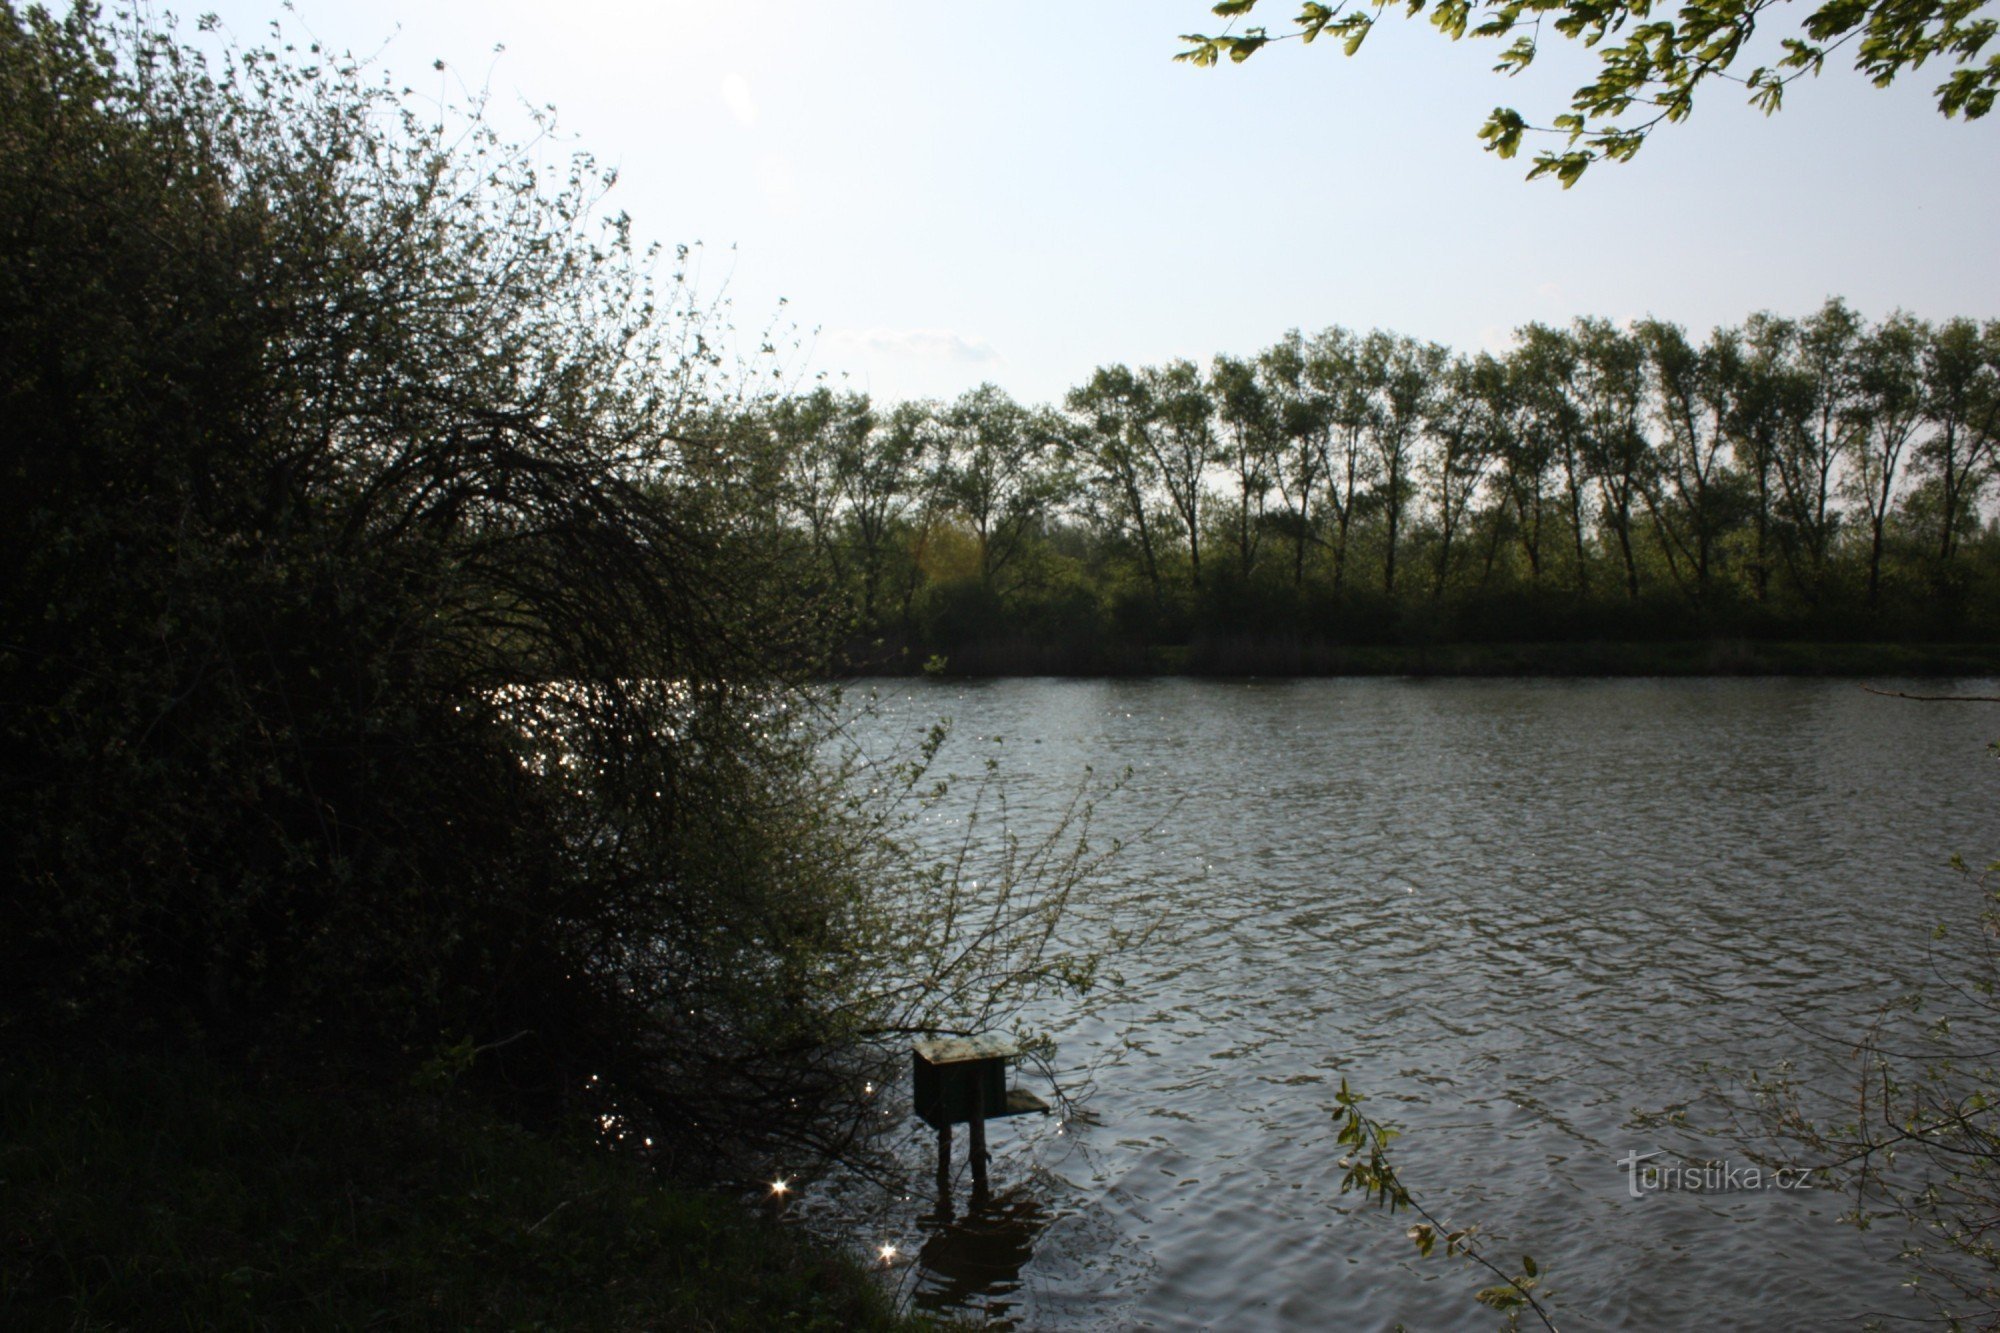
[976, 1146]
[944, 1170]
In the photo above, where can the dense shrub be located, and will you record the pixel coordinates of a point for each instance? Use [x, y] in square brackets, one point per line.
[381, 678]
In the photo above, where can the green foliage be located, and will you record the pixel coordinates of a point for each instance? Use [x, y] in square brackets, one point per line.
[1801, 480]
[398, 661]
[1365, 1159]
[1650, 64]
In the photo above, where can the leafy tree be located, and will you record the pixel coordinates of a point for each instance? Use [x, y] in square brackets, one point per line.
[392, 679]
[1612, 376]
[1405, 375]
[1302, 416]
[1249, 426]
[909, 446]
[1745, 474]
[1179, 433]
[1340, 376]
[1764, 396]
[1453, 470]
[1886, 413]
[1118, 467]
[1545, 361]
[1651, 64]
[879, 469]
[998, 470]
[1961, 385]
[1818, 437]
[372, 686]
[1692, 391]
[1524, 452]
[823, 442]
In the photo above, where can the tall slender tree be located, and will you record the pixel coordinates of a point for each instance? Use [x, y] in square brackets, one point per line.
[1116, 409]
[1887, 410]
[1611, 371]
[1338, 373]
[1452, 470]
[1545, 362]
[1961, 387]
[1250, 439]
[1404, 375]
[1690, 390]
[1765, 393]
[1524, 454]
[1302, 416]
[882, 490]
[1179, 432]
[1817, 440]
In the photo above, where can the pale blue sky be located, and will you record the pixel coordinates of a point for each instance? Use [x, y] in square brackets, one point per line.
[955, 192]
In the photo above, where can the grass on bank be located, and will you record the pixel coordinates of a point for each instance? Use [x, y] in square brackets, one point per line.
[163, 1193]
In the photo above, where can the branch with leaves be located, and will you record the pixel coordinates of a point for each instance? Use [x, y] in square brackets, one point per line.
[1919, 1142]
[1651, 63]
[1369, 1170]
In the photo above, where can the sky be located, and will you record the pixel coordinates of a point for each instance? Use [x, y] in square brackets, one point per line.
[940, 194]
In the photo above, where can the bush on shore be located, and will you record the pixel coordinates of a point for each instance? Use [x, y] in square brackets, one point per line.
[143, 1192]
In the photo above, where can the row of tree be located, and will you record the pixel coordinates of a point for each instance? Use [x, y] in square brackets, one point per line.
[1819, 475]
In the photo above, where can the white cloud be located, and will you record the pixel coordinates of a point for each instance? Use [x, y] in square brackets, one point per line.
[736, 96]
[918, 344]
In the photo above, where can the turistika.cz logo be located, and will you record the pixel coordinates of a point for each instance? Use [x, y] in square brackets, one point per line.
[1643, 1177]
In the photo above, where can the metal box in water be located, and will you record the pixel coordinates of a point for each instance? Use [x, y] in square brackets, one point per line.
[952, 1075]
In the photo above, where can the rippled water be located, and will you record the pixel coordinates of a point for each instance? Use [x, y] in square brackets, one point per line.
[1511, 913]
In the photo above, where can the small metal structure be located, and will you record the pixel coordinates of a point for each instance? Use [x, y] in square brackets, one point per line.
[963, 1080]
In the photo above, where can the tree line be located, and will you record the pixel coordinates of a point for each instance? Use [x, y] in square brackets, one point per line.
[1818, 477]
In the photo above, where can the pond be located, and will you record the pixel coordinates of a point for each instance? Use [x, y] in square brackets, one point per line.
[1515, 915]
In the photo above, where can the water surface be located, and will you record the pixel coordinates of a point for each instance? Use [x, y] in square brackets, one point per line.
[1510, 912]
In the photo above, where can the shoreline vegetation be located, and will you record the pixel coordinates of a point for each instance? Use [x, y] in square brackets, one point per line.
[1295, 659]
[356, 976]
[171, 1191]
[1790, 495]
